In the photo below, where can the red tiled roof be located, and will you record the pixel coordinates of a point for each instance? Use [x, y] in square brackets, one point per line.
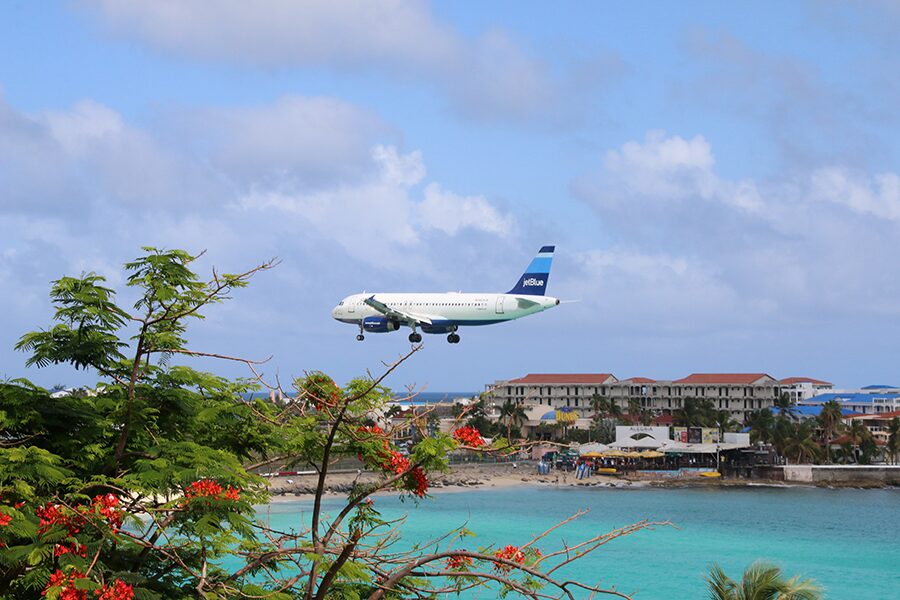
[791, 380]
[640, 380]
[595, 378]
[887, 416]
[714, 378]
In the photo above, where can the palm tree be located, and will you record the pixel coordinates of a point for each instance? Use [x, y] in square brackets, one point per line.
[858, 435]
[634, 410]
[604, 409]
[761, 581]
[831, 420]
[893, 443]
[761, 423]
[600, 406]
[696, 412]
[801, 444]
[514, 416]
[784, 404]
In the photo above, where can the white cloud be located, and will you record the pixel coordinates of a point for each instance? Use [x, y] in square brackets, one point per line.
[448, 212]
[382, 220]
[347, 33]
[489, 76]
[313, 141]
[782, 248]
[878, 195]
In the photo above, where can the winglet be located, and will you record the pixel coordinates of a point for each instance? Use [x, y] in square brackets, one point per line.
[533, 281]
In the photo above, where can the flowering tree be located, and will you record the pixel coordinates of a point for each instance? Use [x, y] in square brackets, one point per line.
[144, 488]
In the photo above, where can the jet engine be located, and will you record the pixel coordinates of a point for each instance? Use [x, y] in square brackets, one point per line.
[380, 324]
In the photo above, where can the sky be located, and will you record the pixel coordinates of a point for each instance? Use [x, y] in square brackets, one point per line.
[721, 180]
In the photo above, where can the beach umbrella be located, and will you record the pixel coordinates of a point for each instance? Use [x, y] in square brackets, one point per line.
[593, 455]
[613, 454]
[651, 454]
[594, 447]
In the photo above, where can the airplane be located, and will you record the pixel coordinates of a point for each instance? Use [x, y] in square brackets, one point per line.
[446, 313]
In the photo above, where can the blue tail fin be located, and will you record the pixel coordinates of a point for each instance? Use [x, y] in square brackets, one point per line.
[533, 281]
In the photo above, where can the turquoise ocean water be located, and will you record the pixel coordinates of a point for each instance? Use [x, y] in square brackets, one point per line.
[849, 540]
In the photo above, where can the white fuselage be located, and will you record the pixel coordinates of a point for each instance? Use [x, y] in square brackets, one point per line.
[448, 310]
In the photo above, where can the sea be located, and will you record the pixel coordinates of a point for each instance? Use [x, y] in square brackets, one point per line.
[846, 539]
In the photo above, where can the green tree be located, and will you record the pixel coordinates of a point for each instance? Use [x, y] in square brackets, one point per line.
[861, 440]
[155, 447]
[513, 415]
[477, 417]
[760, 581]
[606, 413]
[799, 442]
[696, 412]
[893, 443]
[785, 405]
[762, 424]
[831, 421]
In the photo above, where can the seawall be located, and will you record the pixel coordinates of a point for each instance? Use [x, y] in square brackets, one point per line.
[842, 475]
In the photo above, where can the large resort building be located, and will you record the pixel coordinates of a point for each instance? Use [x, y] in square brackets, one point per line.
[738, 393]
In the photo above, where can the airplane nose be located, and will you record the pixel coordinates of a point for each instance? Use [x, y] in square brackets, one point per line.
[334, 312]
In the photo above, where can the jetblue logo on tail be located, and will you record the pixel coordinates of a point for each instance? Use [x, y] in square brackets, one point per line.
[534, 281]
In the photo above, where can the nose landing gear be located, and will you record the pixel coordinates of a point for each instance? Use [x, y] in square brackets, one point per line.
[360, 337]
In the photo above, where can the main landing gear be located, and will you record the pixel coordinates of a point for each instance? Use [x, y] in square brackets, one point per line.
[453, 338]
[360, 337]
[415, 338]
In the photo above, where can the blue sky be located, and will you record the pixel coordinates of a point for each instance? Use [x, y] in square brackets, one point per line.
[720, 179]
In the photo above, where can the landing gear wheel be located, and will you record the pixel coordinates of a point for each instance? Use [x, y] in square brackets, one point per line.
[360, 337]
[453, 338]
[415, 338]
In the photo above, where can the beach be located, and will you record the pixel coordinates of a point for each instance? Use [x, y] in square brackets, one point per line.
[505, 475]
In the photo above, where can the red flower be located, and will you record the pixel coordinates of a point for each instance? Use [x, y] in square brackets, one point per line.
[420, 481]
[107, 506]
[117, 591]
[459, 563]
[511, 553]
[468, 436]
[66, 583]
[209, 489]
[70, 548]
[4, 520]
[396, 463]
[54, 514]
[374, 429]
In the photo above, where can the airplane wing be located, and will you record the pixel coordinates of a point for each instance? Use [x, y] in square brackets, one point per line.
[397, 314]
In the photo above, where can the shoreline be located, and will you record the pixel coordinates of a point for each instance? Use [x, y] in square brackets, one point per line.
[500, 476]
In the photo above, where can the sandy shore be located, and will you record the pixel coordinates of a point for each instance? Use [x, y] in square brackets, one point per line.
[462, 477]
